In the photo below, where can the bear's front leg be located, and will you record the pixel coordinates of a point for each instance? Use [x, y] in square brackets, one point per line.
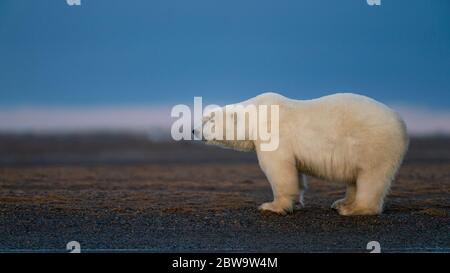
[283, 178]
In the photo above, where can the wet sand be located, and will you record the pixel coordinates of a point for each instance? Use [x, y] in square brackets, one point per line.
[125, 193]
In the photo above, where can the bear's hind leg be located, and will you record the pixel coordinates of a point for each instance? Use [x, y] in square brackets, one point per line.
[283, 178]
[371, 188]
[350, 195]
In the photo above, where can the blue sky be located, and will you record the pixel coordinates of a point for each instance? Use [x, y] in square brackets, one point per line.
[123, 64]
[160, 52]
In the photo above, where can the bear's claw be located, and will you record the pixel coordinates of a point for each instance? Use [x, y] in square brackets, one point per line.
[276, 208]
[339, 203]
[352, 209]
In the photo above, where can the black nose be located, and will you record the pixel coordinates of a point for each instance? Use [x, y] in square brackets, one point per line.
[193, 132]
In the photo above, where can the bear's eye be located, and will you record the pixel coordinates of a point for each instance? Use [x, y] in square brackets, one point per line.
[211, 118]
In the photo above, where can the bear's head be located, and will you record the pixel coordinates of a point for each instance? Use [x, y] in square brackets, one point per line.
[231, 126]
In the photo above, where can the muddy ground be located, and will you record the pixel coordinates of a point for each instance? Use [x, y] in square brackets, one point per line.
[115, 192]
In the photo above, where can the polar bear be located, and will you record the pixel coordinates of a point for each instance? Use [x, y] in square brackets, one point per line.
[343, 137]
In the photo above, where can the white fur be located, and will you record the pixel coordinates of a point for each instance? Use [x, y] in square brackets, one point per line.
[342, 137]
